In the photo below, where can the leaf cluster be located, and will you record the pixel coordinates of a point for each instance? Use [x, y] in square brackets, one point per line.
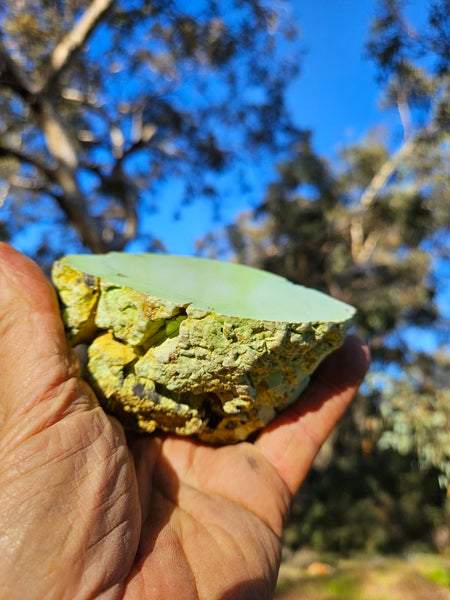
[363, 505]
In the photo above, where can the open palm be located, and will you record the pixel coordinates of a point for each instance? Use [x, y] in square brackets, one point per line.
[87, 513]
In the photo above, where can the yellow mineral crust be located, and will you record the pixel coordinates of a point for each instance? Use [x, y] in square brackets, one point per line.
[159, 365]
[79, 294]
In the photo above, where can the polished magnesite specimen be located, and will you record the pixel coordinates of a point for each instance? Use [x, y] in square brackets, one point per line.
[194, 346]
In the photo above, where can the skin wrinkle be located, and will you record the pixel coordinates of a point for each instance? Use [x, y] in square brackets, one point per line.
[188, 563]
[32, 311]
[27, 495]
[62, 395]
[207, 530]
[98, 544]
[63, 400]
[285, 496]
[200, 480]
[80, 502]
[109, 498]
[144, 466]
[89, 590]
[83, 481]
[226, 499]
[151, 531]
[20, 469]
[306, 433]
[27, 544]
[158, 494]
[213, 525]
[164, 546]
[113, 593]
[99, 541]
[225, 534]
[62, 377]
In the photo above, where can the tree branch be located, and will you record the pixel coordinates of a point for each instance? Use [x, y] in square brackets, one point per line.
[71, 201]
[385, 172]
[28, 159]
[57, 137]
[74, 205]
[362, 249]
[75, 39]
[13, 76]
[405, 117]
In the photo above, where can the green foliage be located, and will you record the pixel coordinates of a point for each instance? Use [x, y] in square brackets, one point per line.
[376, 510]
[441, 576]
[421, 423]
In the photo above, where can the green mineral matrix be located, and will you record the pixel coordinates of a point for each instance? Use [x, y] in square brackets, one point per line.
[193, 346]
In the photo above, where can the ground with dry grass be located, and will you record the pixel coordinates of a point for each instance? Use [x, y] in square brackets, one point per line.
[416, 577]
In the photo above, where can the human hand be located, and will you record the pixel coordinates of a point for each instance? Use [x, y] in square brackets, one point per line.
[87, 513]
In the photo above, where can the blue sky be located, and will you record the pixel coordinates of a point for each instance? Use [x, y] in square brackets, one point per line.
[336, 94]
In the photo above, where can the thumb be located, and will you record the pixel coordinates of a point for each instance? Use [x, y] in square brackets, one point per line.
[38, 372]
[292, 441]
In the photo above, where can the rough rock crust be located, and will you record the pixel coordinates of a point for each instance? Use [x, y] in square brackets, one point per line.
[158, 365]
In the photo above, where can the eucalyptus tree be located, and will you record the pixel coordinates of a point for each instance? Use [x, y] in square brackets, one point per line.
[372, 229]
[102, 100]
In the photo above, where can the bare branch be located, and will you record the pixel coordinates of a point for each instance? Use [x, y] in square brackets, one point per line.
[117, 140]
[30, 185]
[28, 159]
[147, 133]
[386, 171]
[57, 137]
[362, 249]
[74, 205]
[71, 201]
[405, 117]
[58, 141]
[13, 76]
[75, 39]
[356, 236]
[4, 191]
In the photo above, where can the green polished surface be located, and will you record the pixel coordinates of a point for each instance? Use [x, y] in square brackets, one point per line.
[222, 287]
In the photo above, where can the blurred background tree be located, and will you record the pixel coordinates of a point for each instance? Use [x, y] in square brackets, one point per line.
[373, 230]
[101, 102]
